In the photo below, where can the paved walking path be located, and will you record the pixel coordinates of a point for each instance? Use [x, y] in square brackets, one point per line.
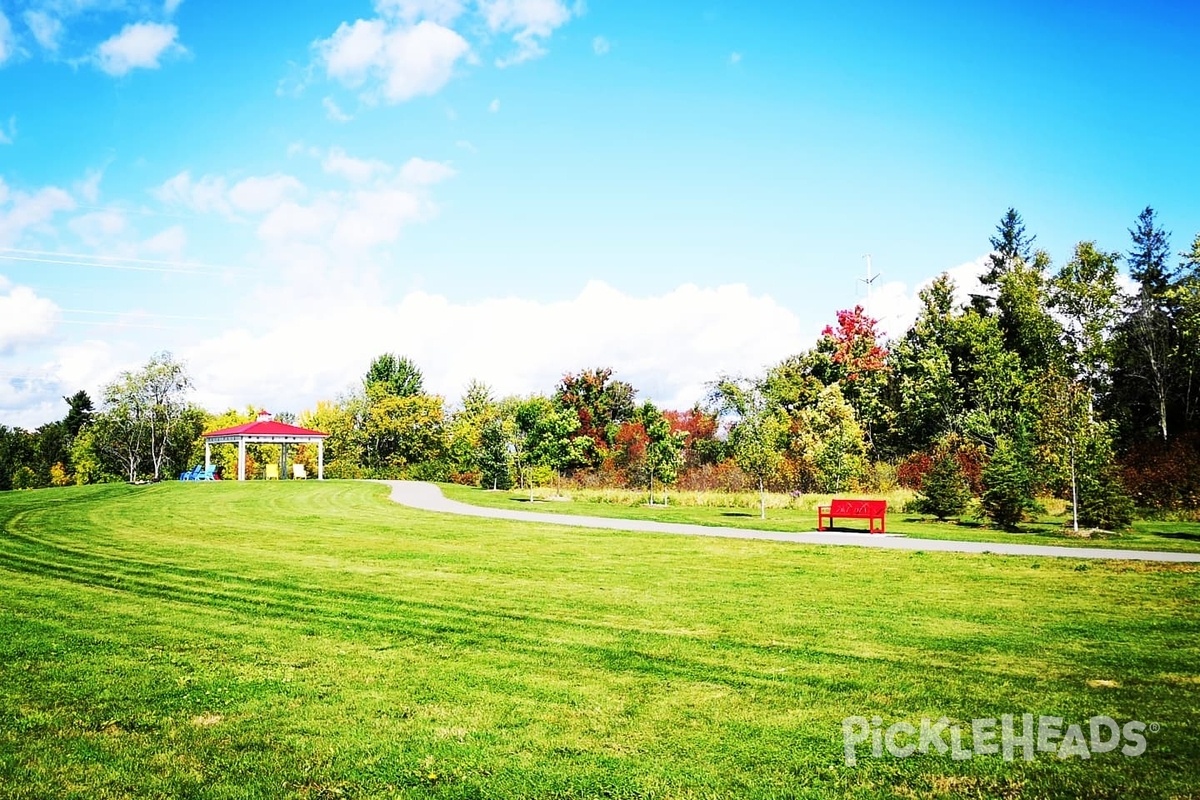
[429, 497]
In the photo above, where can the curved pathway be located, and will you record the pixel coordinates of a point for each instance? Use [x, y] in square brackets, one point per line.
[429, 497]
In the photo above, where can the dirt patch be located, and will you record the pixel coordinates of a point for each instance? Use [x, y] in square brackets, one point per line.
[207, 720]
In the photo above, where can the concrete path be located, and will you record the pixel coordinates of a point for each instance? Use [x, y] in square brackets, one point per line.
[429, 497]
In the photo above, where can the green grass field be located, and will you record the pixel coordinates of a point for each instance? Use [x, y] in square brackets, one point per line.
[304, 639]
[1048, 530]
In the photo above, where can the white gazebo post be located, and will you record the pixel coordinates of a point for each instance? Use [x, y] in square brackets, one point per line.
[241, 459]
[320, 459]
[207, 456]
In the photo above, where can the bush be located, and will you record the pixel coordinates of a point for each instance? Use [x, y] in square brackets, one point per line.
[24, 478]
[945, 491]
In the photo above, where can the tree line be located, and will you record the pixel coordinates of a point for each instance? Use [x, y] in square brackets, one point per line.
[1077, 381]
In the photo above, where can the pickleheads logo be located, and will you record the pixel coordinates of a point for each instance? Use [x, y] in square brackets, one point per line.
[1007, 737]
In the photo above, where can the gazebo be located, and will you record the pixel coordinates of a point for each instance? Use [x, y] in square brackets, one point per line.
[265, 430]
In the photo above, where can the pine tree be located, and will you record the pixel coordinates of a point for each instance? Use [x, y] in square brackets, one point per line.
[1007, 485]
[1009, 245]
[1148, 257]
[945, 491]
[1103, 501]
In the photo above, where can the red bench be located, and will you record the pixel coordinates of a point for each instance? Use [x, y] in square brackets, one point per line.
[869, 510]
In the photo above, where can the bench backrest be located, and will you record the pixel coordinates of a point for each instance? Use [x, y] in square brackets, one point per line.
[857, 508]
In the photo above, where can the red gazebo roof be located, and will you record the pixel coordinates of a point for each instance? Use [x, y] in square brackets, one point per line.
[264, 428]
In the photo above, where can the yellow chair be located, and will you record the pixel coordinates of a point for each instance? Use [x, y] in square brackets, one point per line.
[272, 472]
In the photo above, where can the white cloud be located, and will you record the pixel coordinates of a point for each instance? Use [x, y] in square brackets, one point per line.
[601, 46]
[531, 21]
[355, 170]
[8, 134]
[710, 331]
[420, 172]
[292, 221]
[88, 189]
[8, 44]
[46, 29]
[168, 243]
[494, 106]
[443, 12]
[259, 195]
[334, 112]
[353, 50]
[402, 62]
[171, 6]
[896, 306]
[25, 318]
[139, 45]
[205, 196]
[22, 211]
[735, 57]
[98, 227]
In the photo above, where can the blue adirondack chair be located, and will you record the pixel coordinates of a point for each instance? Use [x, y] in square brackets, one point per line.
[206, 474]
[191, 474]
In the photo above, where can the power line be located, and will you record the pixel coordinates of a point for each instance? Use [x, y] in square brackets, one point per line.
[142, 314]
[96, 261]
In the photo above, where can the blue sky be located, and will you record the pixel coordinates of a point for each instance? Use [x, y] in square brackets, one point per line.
[507, 189]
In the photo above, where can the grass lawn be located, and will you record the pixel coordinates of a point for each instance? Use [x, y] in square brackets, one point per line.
[1145, 535]
[304, 639]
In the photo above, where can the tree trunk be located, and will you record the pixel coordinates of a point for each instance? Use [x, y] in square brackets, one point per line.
[762, 500]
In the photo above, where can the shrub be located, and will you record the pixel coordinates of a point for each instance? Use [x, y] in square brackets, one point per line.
[945, 491]
[59, 476]
[24, 478]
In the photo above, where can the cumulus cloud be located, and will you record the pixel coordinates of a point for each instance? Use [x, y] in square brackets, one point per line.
[443, 12]
[420, 172]
[8, 133]
[25, 318]
[896, 305]
[8, 44]
[355, 170]
[24, 211]
[171, 6]
[205, 196]
[530, 21]
[494, 106]
[258, 195]
[46, 29]
[601, 46]
[98, 227]
[400, 61]
[138, 46]
[735, 57]
[667, 345]
[168, 243]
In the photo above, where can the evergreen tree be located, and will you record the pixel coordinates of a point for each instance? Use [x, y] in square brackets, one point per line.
[1102, 501]
[1146, 341]
[79, 412]
[945, 491]
[1148, 256]
[1007, 485]
[1009, 245]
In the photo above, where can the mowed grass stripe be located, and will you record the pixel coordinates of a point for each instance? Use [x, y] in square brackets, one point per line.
[353, 648]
